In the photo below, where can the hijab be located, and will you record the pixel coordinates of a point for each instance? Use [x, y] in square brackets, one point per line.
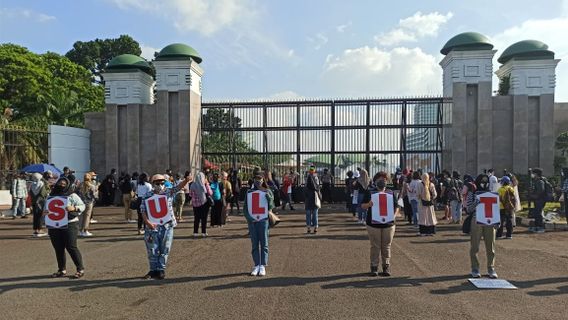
[37, 183]
[364, 179]
[57, 191]
[426, 193]
[198, 186]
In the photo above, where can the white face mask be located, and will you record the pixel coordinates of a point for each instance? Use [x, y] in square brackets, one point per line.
[159, 188]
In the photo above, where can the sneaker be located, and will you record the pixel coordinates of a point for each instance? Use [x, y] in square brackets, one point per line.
[81, 234]
[475, 273]
[141, 231]
[309, 231]
[204, 235]
[149, 275]
[255, 271]
[195, 235]
[492, 274]
[539, 230]
[509, 237]
[93, 221]
[41, 234]
[87, 234]
[262, 271]
[374, 271]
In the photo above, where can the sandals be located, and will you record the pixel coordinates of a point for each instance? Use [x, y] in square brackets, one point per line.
[78, 274]
[59, 274]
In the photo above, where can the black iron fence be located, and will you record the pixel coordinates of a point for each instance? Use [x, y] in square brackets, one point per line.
[341, 135]
[18, 148]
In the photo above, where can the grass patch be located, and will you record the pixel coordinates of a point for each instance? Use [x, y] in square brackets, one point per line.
[549, 207]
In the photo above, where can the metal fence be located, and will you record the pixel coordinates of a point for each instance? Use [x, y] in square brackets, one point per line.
[18, 148]
[341, 135]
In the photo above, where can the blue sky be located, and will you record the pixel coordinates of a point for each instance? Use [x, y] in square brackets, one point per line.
[289, 49]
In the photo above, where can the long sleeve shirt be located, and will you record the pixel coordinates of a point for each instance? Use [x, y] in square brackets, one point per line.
[269, 198]
[19, 188]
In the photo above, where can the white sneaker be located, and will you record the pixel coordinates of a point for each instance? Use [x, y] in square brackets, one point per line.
[41, 234]
[87, 234]
[195, 235]
[255, 271]
[93, 221]
[204, 235]
[262, 271]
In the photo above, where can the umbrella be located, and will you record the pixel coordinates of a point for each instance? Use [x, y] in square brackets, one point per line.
[41, 168]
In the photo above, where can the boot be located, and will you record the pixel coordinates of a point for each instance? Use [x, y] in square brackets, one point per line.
[374, 271]
[386, 270]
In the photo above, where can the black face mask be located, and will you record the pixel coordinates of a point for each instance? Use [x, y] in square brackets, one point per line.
[58, 189]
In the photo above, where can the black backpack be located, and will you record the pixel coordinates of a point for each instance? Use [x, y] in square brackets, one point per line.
[548, 190]
[454, 193]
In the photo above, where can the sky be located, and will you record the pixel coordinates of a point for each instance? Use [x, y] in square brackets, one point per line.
[292, 49]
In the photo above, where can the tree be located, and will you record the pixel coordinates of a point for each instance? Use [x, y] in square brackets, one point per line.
[562, 147]
[95, 54]
[44, 89]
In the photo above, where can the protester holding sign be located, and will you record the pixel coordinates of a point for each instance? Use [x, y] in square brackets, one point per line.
[62, 210]
[158, 214]
[381, 212]
[484, 220]
[259, 201]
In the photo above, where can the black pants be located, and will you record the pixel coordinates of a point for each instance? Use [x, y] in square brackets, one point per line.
[200, 215]
[407, 209]
[140, 219]
[539, 219]
[507, 222]
[66, 239]
[37, 212]
[217, 217]
[427, 229]
[326, 192]
[235, 201]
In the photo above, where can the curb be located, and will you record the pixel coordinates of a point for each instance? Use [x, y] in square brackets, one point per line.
[525, 222]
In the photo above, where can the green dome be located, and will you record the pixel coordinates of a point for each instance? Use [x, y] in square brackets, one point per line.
[128, 61]
[527, 50]
[467, 41]
[178, 51]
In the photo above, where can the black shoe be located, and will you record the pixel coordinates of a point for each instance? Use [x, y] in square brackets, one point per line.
[149, 275]
[161, 275]
[374, 271]
[386, 271]
[292, 208]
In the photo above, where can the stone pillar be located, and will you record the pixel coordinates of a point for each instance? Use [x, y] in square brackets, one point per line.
[458, 142]
[484, 126]
[133, 138]
[111, 137]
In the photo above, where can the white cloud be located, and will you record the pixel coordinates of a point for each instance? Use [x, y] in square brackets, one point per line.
[547, 31]
[319, 40]
[148, 51]
[370, 71]
[17, 13]
[413, 28]
[204, 16]
[286, 95]
[341, 28]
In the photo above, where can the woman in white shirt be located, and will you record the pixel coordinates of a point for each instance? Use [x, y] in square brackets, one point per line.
[143, 188]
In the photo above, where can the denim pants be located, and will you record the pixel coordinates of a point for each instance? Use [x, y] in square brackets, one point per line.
[259, 239]
[456, 208]
[19, 207]
[414, 204]
[312, 218]
[158, 244]
[539, 219]
[361, 213]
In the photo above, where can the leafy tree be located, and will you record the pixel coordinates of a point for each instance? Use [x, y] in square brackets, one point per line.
[95, 54]
[504, 86]
[562, 147]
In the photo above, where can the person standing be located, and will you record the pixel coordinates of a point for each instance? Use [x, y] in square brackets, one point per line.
[200, 191]
[127, 192]
[258, 228]
[326, 186]
[179, 199]
[477, 231]
[228, 195]
[405, 186]
[507, 203]
[360, 186]
[87, 191]
[426, 215]
[493, 181]
[19, 196]
[66, 238]
[455, 197]
[349, 192]
[143, 188]
[413, 196]
[158, 238]
[380, 234]
[217, 219]
[540, 194]
[312, 198]
[287, 186]
[236, 184]
[39, 191]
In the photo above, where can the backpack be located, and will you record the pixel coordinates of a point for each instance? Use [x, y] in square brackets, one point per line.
[453, 193]
[548, 191]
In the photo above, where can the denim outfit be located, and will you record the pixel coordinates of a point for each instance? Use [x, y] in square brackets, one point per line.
[312, 218]
[414, 205]
[258, 231]
[361, 213]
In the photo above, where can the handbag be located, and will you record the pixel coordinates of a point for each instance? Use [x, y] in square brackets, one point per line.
[427, 203]
[273, 219]
[135, 203]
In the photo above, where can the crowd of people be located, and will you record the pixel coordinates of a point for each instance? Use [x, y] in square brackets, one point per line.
[215, 195]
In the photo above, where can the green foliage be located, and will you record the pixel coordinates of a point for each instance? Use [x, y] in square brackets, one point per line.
[45, 89]
[95, 54]
[504, 86]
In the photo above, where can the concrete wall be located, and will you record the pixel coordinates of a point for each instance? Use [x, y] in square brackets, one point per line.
[70, 147]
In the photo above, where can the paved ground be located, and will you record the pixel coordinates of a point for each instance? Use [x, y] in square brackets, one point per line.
[321, 276]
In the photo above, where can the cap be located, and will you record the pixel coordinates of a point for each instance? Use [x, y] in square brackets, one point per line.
[158, 177]
[505, 180]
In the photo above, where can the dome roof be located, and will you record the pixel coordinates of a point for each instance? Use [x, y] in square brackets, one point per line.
[527, 50]
[467, 41]
[128, 61]
[178, 51]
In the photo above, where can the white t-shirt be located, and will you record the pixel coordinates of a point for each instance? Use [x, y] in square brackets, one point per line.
[493, 184]
[413, 189]
[143, 189]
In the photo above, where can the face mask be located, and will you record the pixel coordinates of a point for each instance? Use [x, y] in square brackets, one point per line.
[257, 184]
[158, 188]
[94, 178]
[58, 189]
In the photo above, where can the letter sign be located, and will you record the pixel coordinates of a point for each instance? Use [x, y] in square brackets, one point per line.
[57, 216]
[257, 205]
[157, 209]
[382, 211]
[487, 211]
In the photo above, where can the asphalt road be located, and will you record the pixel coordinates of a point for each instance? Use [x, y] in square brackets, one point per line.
[321, 276]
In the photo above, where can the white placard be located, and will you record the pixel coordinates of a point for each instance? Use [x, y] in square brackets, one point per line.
[382, 210]
[257, 205]
[157, 209]
[487, 211]
[492, 284]
[57, 216]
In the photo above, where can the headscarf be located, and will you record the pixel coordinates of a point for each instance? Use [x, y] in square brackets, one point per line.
[37, 183]
[426, 193]
[198, 186]
[364, 179]
[63, 192]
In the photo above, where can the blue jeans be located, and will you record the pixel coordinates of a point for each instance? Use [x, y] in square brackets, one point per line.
[456, 208]
[414, 205]
[539, 219]
[19, 207]
[158, 244]
[259, 238]
[361, 213]
[312, 218]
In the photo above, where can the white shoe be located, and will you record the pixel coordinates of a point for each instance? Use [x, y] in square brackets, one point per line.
[255, 271]
[87, 234]
[41, 234]
[262, 271]
[93, 221]
[204, 235]
[195, 235]
[81, 234]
